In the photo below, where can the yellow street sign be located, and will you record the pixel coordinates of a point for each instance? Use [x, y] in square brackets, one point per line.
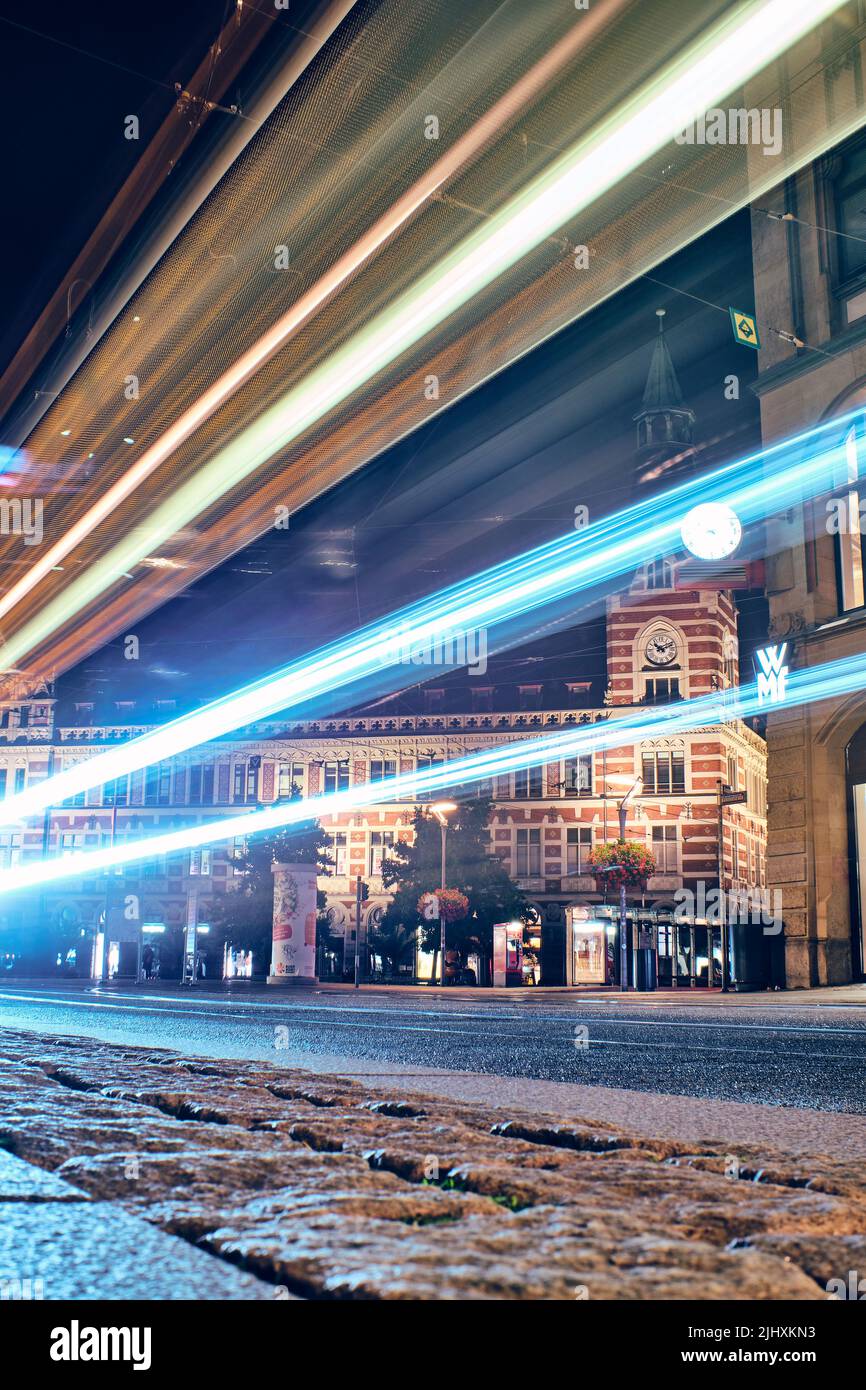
[745, 328]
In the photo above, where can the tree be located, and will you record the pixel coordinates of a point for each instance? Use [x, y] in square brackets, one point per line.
[394, 942]
[415, 869]
[244, 914]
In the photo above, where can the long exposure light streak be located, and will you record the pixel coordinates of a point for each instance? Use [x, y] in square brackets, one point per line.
[733, 50]
[755, 487]
[460, 153]
[803, 687]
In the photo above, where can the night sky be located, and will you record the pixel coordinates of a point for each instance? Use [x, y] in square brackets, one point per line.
[495, 474]
[70, 73]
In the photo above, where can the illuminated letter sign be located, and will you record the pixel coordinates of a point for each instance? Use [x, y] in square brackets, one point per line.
[772, 674]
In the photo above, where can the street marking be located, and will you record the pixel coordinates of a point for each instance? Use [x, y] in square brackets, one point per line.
[566, 1020]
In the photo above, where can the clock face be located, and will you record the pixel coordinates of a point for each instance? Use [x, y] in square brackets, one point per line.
[661, 649]
[711, 531]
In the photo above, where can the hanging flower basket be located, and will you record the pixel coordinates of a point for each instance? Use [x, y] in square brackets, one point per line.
[453, 906]
[622, 861]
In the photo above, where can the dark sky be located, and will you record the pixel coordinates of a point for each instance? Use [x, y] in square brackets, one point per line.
[70, 73]
[497, 473]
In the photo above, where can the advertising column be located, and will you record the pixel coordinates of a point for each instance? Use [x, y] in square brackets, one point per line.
[293, 955]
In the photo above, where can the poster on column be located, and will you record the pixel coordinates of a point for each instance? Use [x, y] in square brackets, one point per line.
[294, 937]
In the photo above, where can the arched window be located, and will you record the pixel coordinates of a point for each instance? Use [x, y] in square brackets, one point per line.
[658, 573]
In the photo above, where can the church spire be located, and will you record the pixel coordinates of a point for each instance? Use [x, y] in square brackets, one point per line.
[664, 422]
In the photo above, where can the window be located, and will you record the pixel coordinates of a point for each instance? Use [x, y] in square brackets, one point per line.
[40, 715]
[380, 768]
[578, 843]
[658, 574]
[530, 696]
[207, 785]
[381, 841]
[423, 761]
[336, 776]
[20, 779]
[528, 783]
[10, 850]
[732, 772]
[70, 842]
[850, 194]
[239, 784]
[433, 701]
[664, 848]
[157, 786]
[289, 775]
[663, 772]
[3, 776]
[528, 853]
[13, 719]
[662, 690]
[482, 698]
[339, 853]
[849, 541]
[77, 799]
[578, 775]
[116, 793]
[253, 778]
[195, 785]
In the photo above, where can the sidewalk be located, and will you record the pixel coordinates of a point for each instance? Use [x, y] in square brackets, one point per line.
[848, 996]
[56, 1242]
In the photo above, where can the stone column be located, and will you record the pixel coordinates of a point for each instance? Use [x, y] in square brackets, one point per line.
[293, 956]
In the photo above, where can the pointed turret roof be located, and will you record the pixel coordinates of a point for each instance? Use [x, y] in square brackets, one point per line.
[662, 391]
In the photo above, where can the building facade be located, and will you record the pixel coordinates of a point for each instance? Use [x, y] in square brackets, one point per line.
[810, 281]
[663, 643]
[696, 801]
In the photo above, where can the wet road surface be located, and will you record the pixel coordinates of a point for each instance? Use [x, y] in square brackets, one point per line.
[781, 1055]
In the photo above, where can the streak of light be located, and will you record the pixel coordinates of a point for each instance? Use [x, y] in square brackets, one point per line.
[732, 51]
[460, 153]
[756, 487]
[831, 680]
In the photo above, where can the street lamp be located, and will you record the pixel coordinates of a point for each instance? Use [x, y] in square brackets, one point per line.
[631, 788]
[442, 810]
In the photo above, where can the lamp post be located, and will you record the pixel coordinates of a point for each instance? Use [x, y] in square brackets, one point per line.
[622, 810]
[442, 810]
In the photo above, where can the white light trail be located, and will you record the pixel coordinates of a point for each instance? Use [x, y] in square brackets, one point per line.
[728, 55]
[803, 687]
[755, 487]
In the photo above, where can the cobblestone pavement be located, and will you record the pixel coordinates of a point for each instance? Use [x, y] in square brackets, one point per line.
[319, 1189]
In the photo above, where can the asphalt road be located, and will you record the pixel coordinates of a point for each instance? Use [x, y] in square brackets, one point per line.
[781, 1055]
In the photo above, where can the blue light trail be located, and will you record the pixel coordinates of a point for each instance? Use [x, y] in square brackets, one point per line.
[802, 687]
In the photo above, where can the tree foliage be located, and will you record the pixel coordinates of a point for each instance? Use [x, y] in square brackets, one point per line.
[414, 869]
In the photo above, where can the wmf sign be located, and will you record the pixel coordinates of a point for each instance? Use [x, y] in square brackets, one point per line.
[772, 672]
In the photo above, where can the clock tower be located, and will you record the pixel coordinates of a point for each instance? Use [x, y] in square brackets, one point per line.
[673, 634]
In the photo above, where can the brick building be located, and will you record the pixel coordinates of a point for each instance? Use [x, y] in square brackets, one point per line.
[671, 634]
